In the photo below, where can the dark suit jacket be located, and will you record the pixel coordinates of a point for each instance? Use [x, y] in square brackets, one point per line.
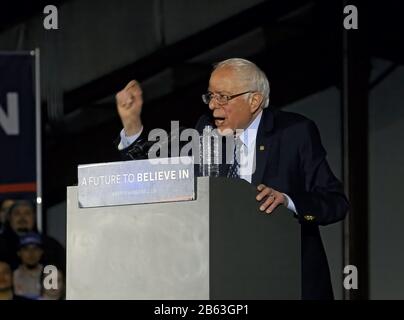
[294, 162]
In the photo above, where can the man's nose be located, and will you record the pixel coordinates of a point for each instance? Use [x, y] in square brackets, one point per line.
[213, 104]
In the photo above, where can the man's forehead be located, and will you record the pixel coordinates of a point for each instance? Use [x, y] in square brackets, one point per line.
[30, 246]
[224, 79]
[23, 209]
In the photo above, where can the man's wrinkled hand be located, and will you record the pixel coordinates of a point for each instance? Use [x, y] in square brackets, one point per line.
[270, 198]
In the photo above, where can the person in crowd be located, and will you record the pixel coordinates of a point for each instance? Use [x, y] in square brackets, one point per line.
[54, 292]
[4, 207]
[21, 219]
[27, 277]
[6, 282]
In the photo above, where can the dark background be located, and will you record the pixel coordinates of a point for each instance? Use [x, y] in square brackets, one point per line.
[350, 82]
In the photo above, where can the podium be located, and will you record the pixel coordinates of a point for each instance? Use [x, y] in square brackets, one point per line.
[218, 246]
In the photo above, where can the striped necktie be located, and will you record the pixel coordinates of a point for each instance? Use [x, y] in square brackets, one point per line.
[234, 170]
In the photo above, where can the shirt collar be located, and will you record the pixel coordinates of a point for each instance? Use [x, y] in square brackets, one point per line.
[249, 135]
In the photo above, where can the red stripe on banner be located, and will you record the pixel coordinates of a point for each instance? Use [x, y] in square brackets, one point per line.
[18, 187]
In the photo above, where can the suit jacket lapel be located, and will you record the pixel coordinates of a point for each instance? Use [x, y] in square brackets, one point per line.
[266, 147]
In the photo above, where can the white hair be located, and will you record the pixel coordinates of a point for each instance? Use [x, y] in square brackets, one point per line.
[251, 74]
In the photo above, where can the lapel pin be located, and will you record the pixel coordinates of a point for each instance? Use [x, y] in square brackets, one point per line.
[262, 148]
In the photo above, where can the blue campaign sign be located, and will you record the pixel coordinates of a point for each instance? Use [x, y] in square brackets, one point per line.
[18, 126]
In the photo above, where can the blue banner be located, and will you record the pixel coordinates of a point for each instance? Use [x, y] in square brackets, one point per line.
[18, 145]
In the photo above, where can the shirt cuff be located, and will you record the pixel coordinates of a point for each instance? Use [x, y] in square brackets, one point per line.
[291, 205]
[126, 141]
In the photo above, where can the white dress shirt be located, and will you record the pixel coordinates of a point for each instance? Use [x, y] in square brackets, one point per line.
[247, 155]
[126, 141]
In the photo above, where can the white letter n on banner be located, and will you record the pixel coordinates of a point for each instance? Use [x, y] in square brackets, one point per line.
[9, 121]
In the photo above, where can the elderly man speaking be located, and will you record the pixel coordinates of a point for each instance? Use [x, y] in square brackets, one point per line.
[294, 174]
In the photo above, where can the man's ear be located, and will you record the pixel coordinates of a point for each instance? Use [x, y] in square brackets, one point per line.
[255, 101]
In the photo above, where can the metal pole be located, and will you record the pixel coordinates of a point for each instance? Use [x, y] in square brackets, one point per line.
[36, 53]
[345, 152]
[355, 88]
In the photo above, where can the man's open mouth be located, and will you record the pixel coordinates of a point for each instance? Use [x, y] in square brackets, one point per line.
[219, 120]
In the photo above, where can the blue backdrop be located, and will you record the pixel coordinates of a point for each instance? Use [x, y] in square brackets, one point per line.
[17, 142]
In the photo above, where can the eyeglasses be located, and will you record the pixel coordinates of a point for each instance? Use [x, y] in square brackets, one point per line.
[221, 99]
